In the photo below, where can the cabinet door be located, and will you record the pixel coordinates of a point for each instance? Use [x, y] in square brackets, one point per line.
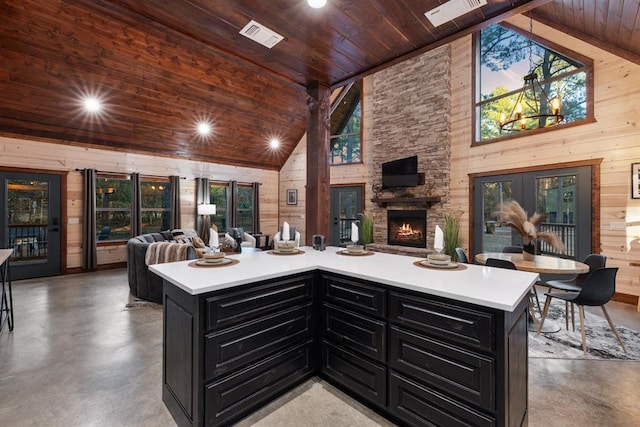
[418, 405]
[354, 295]
[452, 322]
[235, 347]
[453, 369]
[241, 393]
[229, 308]
[365, 379]
[354, 331]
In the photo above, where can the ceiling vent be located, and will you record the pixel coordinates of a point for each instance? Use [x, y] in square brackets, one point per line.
[261, 34]
[451, 10]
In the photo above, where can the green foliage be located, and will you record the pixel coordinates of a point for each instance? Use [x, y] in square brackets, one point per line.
[366, 229]
[451, 235]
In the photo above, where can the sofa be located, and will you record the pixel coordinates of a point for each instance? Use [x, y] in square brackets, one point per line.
[143, 283]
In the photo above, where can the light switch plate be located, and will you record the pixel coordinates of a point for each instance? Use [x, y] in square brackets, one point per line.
[617, 226]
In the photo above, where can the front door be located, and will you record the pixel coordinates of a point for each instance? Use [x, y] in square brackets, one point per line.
[346, 203]
[30, 223]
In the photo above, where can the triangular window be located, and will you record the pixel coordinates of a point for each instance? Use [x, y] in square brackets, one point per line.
[346, 119]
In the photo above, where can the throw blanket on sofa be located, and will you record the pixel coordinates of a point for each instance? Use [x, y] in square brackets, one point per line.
[161, 252]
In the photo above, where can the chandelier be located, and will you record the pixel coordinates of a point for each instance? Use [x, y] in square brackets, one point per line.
[533, 109]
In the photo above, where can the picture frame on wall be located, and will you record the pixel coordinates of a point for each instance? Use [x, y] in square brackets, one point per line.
[292, 197]
[635, 180]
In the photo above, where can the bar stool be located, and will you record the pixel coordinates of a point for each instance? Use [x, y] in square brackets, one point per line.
[6, 299]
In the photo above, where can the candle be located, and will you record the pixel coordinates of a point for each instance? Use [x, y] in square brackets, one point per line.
[354, 233]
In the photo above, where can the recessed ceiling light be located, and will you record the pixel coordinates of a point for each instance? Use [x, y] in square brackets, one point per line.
[204, 128]
[317, 4]
[274, 143]
[92, 104]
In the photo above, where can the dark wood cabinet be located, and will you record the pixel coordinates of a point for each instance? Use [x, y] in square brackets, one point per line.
[421, 360]
[229, 352]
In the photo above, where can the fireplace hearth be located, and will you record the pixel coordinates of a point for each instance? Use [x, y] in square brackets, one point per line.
[407, 228]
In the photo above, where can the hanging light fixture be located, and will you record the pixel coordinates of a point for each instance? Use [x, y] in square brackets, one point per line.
[533, 107]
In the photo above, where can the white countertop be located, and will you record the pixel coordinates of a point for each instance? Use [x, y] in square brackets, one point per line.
[486, 286]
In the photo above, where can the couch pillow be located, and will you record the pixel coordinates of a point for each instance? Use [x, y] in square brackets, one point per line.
[166, 235]
[198, 242]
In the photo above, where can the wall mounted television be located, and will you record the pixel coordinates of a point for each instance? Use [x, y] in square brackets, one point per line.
[401, 173]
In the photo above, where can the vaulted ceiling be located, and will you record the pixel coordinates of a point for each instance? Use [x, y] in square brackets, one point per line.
[161, 66]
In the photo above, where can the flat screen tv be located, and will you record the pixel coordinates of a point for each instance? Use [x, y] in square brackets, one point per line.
[400, 173]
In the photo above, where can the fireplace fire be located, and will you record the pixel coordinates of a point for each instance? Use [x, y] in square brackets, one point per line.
[407, 228]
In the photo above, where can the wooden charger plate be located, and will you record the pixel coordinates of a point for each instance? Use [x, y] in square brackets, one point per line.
[212, 264]
[459, 267]
[296, 252]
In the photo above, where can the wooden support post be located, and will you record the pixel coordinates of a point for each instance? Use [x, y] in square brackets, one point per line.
[318, 190]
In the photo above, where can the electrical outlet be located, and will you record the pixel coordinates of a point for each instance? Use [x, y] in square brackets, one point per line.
[74, 221]
[617, 226]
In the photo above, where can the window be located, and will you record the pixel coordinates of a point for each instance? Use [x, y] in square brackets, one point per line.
[346, 118]
[504, 56]
[218, 197]
[156, 204]
[244, 210]
[228, 207]
[113, 207]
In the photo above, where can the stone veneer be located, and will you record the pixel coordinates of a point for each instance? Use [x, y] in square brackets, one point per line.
[411, 115]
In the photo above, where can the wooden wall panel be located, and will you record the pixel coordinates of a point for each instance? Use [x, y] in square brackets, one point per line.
[20, 153]
[614, 137]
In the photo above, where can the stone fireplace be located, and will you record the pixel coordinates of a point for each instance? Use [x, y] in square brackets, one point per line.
[407, 228]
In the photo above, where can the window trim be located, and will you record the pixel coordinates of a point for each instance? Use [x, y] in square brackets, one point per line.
[475, 87]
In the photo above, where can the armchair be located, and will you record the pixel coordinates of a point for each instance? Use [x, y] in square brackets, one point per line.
[238, 235]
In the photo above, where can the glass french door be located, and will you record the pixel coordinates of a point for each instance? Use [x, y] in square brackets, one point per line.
[346, 203]
[30, 223]
[563, 194]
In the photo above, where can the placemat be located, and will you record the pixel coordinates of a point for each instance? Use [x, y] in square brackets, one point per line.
[459, 267]
[298, 252]
[194, 264]
[345, 252]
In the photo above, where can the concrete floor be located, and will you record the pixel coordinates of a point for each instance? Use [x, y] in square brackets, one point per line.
[78, 357]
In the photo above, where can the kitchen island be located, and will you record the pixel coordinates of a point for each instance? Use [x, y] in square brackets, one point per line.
[420, 345]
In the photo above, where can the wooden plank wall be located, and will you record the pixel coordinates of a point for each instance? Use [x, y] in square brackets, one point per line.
[18, 153]
[293, 174]
[614, 137]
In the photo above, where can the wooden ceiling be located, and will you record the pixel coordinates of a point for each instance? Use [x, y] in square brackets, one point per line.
[162, 66]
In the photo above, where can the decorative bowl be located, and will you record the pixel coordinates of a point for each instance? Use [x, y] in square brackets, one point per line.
[439, 259]
[287, 246]
[214, 256]
[355, 248]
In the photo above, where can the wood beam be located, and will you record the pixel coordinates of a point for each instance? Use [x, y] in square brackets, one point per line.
[317, 191]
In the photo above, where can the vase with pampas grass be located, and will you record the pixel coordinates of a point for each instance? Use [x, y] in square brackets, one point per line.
[513, 215]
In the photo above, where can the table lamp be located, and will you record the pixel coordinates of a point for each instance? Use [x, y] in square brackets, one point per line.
[206, 210]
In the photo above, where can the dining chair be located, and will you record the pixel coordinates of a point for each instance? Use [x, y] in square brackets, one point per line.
[503, 263]
[575, 284]
[597, 290]
[518, 250]
[462, 257]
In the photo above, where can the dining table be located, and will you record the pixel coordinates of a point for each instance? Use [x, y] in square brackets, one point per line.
[543, 264]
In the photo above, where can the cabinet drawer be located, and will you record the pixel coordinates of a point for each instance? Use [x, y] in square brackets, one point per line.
[418, 405]
[455, 370]
[354, 331]
[250, 303]
[366, 379]
[353, 295]
[243, 392]
[451, 322]
[249, 342]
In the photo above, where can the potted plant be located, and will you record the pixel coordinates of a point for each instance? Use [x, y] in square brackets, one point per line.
[512, 214]
[451, 235]
[366, 229]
